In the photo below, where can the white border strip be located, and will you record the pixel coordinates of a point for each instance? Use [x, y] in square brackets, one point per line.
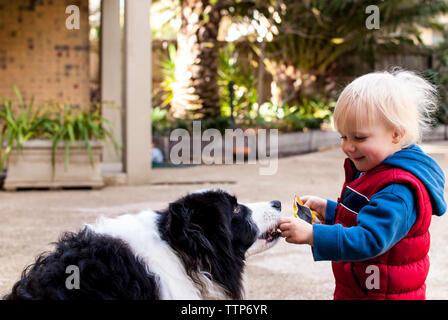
[349, 209]
[359, 193]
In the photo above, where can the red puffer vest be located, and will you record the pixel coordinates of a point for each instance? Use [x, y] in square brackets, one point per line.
[402, 269]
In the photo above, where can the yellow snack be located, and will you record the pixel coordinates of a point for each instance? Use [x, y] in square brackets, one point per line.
[303, 212]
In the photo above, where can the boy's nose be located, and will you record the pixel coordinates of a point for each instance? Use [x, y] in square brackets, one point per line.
[347, 147]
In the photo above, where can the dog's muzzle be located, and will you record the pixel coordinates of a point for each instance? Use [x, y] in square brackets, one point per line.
[266, 216]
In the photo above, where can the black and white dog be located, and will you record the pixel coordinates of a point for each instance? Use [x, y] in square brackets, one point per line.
[195, 249]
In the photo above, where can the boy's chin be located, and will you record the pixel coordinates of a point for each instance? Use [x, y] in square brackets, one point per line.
[360, 166]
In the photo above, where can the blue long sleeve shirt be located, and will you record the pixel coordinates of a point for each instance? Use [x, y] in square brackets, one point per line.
[387, 218]
[381, 224]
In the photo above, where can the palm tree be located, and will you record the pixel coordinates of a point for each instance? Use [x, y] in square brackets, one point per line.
[310, 35]
[307, 37]
[195, 93]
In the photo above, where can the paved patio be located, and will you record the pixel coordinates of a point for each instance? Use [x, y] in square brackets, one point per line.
[31, 220]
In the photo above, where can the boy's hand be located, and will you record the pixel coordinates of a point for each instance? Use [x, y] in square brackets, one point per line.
[296, 231]
[319, 205]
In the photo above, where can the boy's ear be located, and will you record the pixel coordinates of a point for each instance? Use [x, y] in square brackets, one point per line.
[397, 135]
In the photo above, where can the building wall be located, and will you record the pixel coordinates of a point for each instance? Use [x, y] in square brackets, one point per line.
[40, 55]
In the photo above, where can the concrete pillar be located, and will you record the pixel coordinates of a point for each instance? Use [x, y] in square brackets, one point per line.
[111, 78]
[137, 91]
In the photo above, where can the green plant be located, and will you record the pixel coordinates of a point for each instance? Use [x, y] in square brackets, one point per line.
[21, 123]
[244, 83]
[220, 123]
[168, 69]
[56, 122]
[303, 40]
[440, 80]
[439, 77]
[162, 125]
[311, 113]
[69, 125]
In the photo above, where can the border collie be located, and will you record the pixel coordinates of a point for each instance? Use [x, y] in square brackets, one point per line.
[194, 249]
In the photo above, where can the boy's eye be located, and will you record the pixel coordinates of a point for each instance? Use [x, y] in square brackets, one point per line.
[344, 137]
[360, 138]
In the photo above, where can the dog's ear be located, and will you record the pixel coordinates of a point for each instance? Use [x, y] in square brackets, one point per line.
[178, 217]
[186, 234]
[189, 242]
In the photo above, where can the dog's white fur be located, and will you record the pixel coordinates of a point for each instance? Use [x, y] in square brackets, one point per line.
[265, 218]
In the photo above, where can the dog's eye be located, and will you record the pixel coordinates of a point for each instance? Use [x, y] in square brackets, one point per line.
[236, 210]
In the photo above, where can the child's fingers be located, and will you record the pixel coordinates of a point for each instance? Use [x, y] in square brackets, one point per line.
[285, 223]
[289, 239]
[285, 234]
[284, 220]
[304, 198]
[284, 226]
[306, 201]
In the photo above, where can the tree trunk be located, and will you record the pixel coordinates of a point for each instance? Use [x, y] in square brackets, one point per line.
[290, 83]
[195, 93]
[260, 76]
[286, 83]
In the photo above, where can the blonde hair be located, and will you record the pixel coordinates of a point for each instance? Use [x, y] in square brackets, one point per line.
[399, 99]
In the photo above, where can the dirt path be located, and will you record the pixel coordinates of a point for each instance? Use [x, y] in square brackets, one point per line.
[31, 220]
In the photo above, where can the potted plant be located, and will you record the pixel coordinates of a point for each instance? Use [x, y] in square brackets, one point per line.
[52, 147]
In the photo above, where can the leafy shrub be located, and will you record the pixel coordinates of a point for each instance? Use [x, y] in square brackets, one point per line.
[244, 83]
[310, 114]
[20, 124]
[56, 122]
[168, 69]
[162, 124]
[440, 80]
[69, 125]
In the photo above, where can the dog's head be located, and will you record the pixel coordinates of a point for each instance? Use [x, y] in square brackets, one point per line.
[212, 232]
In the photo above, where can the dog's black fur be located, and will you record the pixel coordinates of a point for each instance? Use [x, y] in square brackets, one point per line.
[107, 267]
[210, 237]
[209, 231]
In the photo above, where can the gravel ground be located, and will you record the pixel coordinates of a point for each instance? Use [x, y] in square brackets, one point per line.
[31, 220]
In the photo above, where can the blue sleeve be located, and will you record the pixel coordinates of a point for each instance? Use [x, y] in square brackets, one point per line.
[387, 218]
[330, 212]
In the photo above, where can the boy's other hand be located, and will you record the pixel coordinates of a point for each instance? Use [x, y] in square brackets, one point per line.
[296, 231]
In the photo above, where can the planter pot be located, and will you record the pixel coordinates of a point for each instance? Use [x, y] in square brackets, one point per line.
[31, 167]
[308, 141]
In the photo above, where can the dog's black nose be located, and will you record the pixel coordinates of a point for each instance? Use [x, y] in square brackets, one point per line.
[276, 204]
